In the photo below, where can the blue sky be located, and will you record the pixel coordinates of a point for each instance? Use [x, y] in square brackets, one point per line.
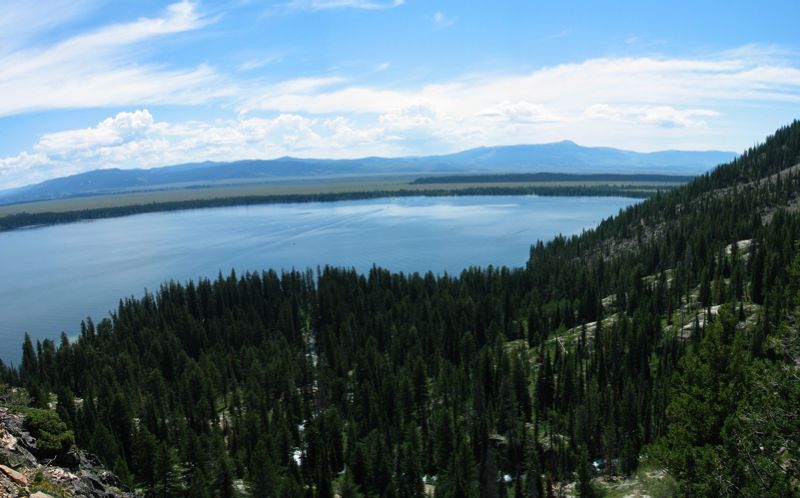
[88, 84]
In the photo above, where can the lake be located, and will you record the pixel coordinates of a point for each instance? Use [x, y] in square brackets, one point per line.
[53, 277]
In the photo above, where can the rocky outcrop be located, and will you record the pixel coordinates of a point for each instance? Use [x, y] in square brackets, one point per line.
[75, 474]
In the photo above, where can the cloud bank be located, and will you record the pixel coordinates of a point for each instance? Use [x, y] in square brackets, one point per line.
[634, 102]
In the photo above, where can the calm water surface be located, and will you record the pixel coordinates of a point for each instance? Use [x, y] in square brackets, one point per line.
[53, 277]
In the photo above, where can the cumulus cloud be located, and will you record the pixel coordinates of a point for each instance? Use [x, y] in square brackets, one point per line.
[21, 162]
[111, 131]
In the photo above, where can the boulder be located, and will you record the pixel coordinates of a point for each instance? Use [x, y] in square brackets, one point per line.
[17, 457]
[71, 459]
[15, 476]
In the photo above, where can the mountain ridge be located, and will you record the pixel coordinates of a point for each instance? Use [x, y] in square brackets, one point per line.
[565, 156]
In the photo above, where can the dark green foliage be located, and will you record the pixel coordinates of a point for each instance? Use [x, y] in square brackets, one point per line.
[166, 477]
[460, 479]
[533, 472]
[734, 415]
[53, 437]
[348, 487]
[584, 477]
[706, 395]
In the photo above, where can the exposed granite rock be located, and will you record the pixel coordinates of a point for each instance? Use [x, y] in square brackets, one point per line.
[76, 473]
[39, 494]
[15, 476]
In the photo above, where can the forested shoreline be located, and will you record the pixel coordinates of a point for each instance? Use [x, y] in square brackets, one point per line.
[27, 220]
[665, 337]
[607, 178]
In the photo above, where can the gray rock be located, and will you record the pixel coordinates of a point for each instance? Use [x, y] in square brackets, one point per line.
[39, 494]
[78, 471]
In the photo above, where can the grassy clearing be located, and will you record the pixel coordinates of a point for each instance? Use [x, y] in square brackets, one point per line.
[648, 481]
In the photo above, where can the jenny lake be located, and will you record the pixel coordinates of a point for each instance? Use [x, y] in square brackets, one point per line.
[83, 269]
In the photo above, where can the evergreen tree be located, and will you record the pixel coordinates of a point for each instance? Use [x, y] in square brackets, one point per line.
[584, 477]
[460, 479]
[166, 482]
[348, 487]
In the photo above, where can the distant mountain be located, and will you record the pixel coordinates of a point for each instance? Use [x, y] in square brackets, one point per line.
[559, 157]
[580, 159]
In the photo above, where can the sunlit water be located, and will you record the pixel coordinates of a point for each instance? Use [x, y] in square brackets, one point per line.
[53, 277]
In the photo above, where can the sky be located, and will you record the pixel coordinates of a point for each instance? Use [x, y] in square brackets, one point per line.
[87, 84]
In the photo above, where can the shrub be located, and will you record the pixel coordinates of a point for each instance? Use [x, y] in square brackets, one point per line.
[51, 433]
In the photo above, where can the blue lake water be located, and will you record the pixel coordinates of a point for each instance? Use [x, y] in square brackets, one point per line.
[53, 277]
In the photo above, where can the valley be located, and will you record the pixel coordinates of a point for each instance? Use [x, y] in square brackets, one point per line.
[658, 345]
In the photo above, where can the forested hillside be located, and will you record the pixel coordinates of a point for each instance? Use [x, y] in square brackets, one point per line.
[665, 338]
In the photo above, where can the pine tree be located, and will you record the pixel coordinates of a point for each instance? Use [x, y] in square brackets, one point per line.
[263, 475]
[584, 477]
[533, 471]
[29, 368]
[166, 483]
[348, 487]
[460, 479]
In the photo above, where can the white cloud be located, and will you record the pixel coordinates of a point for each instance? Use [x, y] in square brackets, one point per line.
[559, 93]
[302, 85]
[23, 20]
[658, 115]
[111, 131]
[641, 103]
[21, 162]
[99, 69]
[135, 140]
[346, 100]
[519, 112]
[345, 4]
[408, 118]
[258, 62]
[441, 20]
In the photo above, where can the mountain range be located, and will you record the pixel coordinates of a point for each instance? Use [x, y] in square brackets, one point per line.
[560, 157]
